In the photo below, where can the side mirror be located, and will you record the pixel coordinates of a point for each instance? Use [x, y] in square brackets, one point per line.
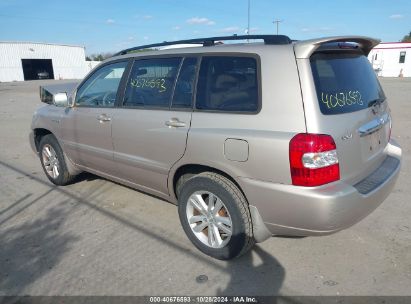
[72, 99]
[71, 102]
[60, 100]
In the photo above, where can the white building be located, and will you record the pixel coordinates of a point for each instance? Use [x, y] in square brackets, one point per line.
[392, 59]
[92, 64]
[28, 61]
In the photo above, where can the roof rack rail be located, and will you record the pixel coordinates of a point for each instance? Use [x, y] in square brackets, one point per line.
[268, 39]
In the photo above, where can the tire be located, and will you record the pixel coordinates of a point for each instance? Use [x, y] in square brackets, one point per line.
[51, 152]
[194, 206]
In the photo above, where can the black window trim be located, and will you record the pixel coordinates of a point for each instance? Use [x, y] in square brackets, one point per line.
[131, 60]
[259, 84]
[170, 102]
[118, 96]
[194, 97]
[191, 107]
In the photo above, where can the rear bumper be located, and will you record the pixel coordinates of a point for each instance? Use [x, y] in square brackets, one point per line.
[303, 211]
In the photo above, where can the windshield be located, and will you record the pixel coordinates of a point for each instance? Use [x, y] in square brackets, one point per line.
[345, 82]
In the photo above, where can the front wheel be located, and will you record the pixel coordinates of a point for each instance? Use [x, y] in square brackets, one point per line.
[215, 216]
[53, 162]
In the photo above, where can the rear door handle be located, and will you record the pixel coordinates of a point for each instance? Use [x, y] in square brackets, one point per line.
[175, 123]
[103, 118]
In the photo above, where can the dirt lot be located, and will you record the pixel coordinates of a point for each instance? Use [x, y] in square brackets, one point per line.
[96, 237]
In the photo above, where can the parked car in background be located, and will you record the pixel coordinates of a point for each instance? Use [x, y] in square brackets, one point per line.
[43, 75]
[250, 140]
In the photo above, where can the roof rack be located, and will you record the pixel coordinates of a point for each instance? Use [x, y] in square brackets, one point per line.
[268, 39]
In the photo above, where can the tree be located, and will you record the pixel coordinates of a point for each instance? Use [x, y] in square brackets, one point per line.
[143, 50]
[407, 38]
[104, 56]
[99, 57]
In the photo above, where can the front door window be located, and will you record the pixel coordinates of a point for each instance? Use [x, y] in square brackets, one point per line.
[100, 90]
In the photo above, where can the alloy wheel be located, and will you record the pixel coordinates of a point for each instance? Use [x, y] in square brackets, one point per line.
[209, 219]
[50, 161]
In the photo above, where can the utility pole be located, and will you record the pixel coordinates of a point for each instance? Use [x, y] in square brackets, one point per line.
[248, 23]
[277, 22]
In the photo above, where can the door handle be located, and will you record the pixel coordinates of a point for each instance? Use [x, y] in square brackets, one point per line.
[175, 123]
[103, 118]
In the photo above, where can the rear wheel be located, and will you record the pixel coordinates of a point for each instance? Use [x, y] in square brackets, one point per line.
[53, 162]
[215, 216]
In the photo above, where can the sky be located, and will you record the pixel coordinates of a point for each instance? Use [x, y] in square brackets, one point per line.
[110, 26]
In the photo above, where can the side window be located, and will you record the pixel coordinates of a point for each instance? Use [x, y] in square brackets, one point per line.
[228, 84]
[402, 57]
[151, 82]
[100, 90]
[183, 93]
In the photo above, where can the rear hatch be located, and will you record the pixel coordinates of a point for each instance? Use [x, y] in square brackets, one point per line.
[351, 107]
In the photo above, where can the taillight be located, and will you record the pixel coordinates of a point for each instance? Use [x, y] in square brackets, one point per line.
[313, 160]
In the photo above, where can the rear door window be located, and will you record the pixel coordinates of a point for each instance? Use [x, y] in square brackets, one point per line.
[151, 82]
[344, 82]
[228, 84]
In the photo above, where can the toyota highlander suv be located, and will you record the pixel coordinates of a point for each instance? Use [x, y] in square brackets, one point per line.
[249, 139]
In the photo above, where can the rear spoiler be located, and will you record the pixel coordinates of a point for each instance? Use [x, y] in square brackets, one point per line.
[305, 48]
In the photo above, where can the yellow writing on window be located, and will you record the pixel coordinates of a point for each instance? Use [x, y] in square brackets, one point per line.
[342, 99]
[152, 83]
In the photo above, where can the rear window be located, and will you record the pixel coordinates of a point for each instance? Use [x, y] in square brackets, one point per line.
[228, 84]
[344, 82]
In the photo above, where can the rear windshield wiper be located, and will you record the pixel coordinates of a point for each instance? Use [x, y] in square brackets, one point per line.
[376, 102]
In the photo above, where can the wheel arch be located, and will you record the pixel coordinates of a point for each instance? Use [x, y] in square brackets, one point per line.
[261, 233]
[39, 133]
[194, 169]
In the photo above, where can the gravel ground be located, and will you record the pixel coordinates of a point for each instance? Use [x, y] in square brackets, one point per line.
[96, 237]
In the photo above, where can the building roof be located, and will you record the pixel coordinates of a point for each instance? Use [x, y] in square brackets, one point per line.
[393, 45]
[396, 42]
[44, 43]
